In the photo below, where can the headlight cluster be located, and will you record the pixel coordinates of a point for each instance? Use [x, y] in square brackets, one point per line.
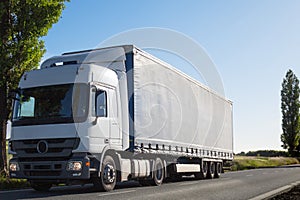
[14, 166]
[74, 166]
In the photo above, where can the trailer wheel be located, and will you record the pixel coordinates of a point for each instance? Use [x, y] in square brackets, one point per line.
[41, 187]
[203, 173]
[211, 170]
[218, 170]
[108, 175]
[158, 172]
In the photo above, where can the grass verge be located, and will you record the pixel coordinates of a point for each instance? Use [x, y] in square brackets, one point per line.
[248, 162]
[11, 183]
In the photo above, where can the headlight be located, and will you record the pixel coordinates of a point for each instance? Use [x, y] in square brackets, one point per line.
[14, 167]
[74, 166]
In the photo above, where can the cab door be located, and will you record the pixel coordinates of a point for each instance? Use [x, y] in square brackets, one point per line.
[101, 125]
[115, 130]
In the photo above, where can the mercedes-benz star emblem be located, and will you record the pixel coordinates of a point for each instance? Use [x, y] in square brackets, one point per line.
[42, 147]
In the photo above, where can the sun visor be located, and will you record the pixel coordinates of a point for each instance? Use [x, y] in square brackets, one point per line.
[109, 55]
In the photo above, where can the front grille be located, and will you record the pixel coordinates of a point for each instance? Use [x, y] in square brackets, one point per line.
[28, 159]
[44, 158]
[42, 173]
[27, 150]
[43, 169]
[60, 140]
[53, 150]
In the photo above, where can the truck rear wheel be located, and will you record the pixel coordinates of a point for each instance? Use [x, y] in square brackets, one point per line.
[108, 175]
[158, 172]
[41, 187]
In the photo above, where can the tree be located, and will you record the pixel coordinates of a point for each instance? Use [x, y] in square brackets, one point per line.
[22, 24]
[290, 112]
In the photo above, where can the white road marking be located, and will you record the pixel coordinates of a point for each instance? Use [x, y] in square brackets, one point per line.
[275, 192]
[248, 175]
[112, 193]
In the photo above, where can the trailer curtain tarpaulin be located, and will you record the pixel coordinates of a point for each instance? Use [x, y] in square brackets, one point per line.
[171, 108]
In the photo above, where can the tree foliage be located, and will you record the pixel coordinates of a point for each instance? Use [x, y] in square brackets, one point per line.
[290, 112]
[22, 24]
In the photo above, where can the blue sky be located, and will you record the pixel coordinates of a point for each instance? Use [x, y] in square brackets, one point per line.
[253, 44]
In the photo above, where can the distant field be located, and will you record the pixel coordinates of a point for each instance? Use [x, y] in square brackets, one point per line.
[249, 162]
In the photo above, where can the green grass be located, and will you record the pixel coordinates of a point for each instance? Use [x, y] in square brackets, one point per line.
[11, 183]
[248, 162]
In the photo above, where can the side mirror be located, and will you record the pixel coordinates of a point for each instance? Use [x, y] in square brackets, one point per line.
[13, 94]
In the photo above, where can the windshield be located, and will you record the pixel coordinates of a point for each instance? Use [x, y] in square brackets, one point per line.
[51, 104]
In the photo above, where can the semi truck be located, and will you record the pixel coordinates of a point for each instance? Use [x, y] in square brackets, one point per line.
[116, 114]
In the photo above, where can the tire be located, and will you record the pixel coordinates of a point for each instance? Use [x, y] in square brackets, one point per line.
[40, 187]
[211, 170]
[158, 172]
[218, 170]
[203, 173]
[108, 175]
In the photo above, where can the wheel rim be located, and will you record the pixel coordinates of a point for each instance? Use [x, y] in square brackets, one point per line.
[159, 171]
[109, 174]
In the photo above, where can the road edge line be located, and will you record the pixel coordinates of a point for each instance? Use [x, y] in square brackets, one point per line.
[276, 192]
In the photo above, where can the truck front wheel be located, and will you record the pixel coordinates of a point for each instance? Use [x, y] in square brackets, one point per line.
[108, 175]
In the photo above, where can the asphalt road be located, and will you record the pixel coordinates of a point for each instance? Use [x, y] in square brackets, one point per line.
[232, 185]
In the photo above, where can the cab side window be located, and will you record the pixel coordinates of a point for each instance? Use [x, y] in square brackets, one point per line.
[101, 103]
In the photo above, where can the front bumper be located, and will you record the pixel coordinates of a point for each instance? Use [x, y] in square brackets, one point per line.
[51, 170]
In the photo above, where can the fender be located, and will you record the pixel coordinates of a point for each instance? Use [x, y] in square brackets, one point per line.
[107, 150]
